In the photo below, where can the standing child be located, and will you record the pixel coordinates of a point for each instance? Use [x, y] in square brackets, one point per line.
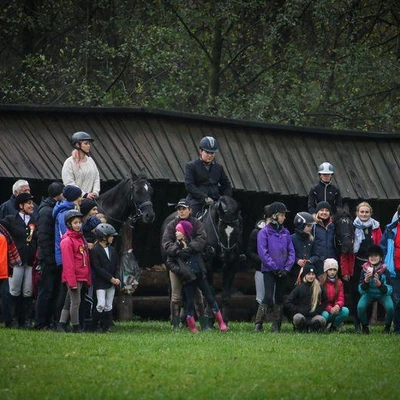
[191, 269]
[307, 302]
[276, 251]
[76, 269]
[335, 312]
[375, 286]
[104, 261]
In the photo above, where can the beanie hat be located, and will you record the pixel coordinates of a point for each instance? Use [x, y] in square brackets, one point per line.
[330, 263]
[71, 193]
[323, 204]
[186, 228]
[87, 205]
[55, 189]
[91, 223]
[307, 269]
[22, 198]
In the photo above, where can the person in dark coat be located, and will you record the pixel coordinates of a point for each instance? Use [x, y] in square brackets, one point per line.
[104, 263]
[22, 228]
[205, 179]
[324, 190]
[196, 246]
[46, 311]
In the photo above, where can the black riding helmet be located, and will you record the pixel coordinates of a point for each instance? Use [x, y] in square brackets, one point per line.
[79, 137]
[71, 214]
[209, 144]
[275, 208]
[104, 229]
[301, 219]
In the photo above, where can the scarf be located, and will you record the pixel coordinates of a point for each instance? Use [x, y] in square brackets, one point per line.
[359, 231]
[14, 260]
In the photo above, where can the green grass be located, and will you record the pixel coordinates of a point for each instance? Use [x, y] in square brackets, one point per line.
[146, 360]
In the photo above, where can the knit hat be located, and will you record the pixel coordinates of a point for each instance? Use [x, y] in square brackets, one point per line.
[87, 205]
[323, 204]
[330, 263]
[307, 269]
[71, 193]
[55, 189]
[183, 203]
[22, 198]
[91, 223]
[375, 249]
[186, 228]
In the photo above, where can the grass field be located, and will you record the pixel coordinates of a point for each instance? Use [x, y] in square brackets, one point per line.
[146, 360]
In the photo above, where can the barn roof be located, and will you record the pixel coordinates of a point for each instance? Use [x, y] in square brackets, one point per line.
[259, 157]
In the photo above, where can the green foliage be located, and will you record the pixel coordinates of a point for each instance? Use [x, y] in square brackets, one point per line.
[325, 63]
[147, 360]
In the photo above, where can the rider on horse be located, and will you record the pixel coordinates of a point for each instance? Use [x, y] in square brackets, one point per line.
[205, 179]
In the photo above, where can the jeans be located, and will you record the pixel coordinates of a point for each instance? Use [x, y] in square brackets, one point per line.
[336, 319]
[367, 299]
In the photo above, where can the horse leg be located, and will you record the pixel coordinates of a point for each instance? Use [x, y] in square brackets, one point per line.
[228, 274]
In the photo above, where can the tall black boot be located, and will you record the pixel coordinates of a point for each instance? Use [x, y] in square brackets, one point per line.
[13, 307]
[260, 316]
[96, 316]
[27, 312]
[277, 319]
[175, 315]
[107, 321]
[225, 314]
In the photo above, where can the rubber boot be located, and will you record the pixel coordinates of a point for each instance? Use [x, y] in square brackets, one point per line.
[107, 321]
[258, 322]
[191, 323]
[13, 307]
[27, 312]
[76, 328]
[175, 315]
[96, 317]
[222, 326]
[277, 321]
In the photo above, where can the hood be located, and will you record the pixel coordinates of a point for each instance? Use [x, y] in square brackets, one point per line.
[62, 206]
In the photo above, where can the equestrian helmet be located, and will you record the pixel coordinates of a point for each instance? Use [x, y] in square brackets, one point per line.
[104, 229]
[326, 168]
[71, 214]
[209, 144]
[22, 198]
[79, 137]
[375, 250]
[276, 208]
[303, 218]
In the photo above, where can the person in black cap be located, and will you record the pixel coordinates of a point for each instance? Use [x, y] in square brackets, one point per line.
[22, 228]
[197, 245]
[46, 315]
[307, 302]
[205, 179]
[324, 235]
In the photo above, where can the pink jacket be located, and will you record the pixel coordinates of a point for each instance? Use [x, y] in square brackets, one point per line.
[334, 299]
[75, 259]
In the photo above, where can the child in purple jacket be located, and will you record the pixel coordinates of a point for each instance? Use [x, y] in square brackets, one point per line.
[276, 251]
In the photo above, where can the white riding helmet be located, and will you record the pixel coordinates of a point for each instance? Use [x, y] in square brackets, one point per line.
[326, 168]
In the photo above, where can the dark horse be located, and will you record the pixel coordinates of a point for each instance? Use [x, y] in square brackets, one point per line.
[223, 224]
[128, 202]
[344, 230]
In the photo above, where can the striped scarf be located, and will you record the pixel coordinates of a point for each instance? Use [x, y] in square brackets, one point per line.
[14, 260]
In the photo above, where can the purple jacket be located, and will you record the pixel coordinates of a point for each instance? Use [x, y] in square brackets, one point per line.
[275, 249]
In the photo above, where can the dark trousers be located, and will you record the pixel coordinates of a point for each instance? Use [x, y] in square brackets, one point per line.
[5, 295]
[274, 289]
[353, 286]
[46, 303]
[190, 293]
[395, 282]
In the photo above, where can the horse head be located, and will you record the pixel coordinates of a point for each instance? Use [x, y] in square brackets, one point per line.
[344, 230]
[139, 198]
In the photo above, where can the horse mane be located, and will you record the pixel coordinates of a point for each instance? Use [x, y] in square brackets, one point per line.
[110, 196]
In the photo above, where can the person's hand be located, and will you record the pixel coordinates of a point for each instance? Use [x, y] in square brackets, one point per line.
[281, 274]
[378, 283]
[90, 246]
[301, 262]
[368, 277]
[115, 281]
[335, 310]
[346, 277]
[91, 196]
[209, 201]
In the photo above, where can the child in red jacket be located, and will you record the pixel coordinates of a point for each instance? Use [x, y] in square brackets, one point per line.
[76, 269]
[335, 312]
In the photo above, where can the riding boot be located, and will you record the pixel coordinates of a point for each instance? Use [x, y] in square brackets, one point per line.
[13, 307]
[258, 322]
[225, 314]
[27, 312]
[222, 326]
[107, 321]
[175, 312]
[96, 317]
[192, 324]
[204, 324]
[277, 321]
[76, 328]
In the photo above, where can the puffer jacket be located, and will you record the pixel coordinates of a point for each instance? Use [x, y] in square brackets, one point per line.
[377, 292]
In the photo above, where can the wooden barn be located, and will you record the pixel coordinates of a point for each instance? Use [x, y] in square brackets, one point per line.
[265, 162]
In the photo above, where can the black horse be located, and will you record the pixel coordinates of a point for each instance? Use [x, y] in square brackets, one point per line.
[129, 200]
[344, 230]
[224, 226]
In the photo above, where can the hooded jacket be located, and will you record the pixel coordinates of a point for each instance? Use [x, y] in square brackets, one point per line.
[75, 259]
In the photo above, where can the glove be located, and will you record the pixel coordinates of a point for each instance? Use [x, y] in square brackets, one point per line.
[281, 274]
[209, 201]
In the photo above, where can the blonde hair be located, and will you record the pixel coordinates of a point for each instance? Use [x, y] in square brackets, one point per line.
[316, 293]
[364, 204]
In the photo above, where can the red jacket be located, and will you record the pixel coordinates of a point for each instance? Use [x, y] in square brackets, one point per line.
[333, 298]
[75, 259]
